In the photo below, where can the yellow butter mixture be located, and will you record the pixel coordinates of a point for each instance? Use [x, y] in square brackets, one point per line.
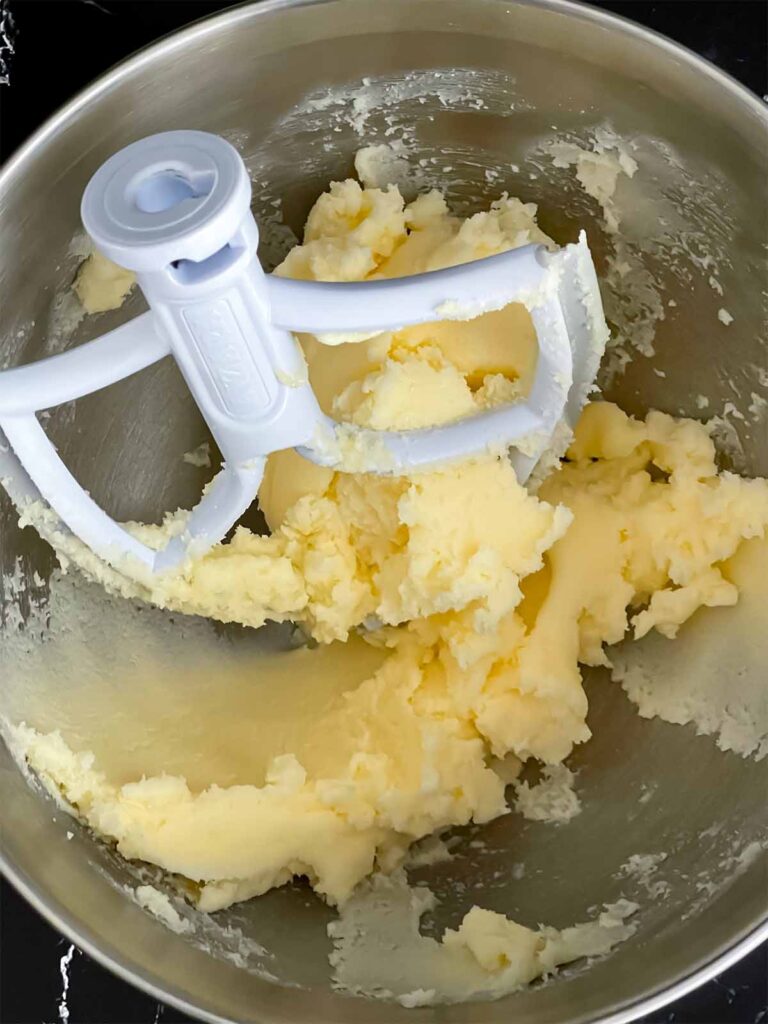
[461, 603]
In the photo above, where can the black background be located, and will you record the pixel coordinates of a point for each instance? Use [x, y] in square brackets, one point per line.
[60, 46]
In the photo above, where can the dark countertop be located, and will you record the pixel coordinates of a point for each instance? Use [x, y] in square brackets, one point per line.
[49, 49]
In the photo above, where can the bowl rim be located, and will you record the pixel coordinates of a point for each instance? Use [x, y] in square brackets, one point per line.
[56, 915]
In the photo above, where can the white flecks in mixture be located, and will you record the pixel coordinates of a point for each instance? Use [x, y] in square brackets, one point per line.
[745, 858]
[200, 456]
[23, 597]
[354, 104]
[67, 313]
[159, 905]
[382, 165]
[647, 792]
[598, 170]
[724, 316]
[735, 862]
[732, 411]
[552, 799]
[758, 407]
[432, 850]
[641, 868]
[727, 437]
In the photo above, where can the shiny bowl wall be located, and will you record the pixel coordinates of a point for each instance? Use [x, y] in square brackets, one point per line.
[279, 80]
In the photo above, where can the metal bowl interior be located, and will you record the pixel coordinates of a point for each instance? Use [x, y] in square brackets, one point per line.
[474, 90]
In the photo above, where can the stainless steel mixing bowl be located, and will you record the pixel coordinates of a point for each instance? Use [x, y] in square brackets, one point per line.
[509, 70]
